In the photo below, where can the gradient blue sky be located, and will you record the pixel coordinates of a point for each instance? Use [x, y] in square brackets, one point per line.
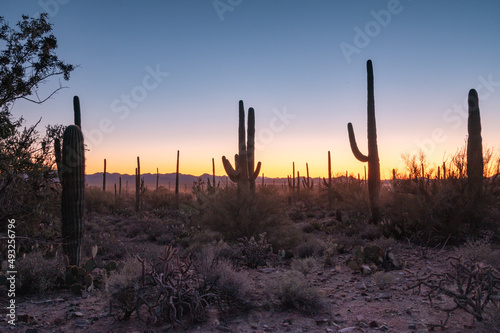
[280, 57]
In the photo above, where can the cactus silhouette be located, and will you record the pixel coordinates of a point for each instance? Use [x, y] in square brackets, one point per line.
[71, 171]
[244, 172]
[73, 189]
[474, 147]
[76, 108]
[475, 166]
[372, 157]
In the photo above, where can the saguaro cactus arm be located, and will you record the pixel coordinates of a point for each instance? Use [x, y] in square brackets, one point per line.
[354, 147]
[233, 174]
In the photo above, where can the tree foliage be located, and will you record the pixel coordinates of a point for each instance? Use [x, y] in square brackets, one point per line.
[27, 59]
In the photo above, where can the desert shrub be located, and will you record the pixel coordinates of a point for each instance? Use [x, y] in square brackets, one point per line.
[309, 248]
[304, 265]
[124, 286]
[170, 292]
[479, 250]
[254, 252]
[308, 228]
[293, 291]
[98, 201]
[36, 274]
[248, 217]
[383, 279]
[228, 287]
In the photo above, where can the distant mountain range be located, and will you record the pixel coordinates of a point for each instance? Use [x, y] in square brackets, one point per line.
[167, 180]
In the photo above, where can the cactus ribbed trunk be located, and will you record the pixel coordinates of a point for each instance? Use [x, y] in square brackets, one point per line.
[474, 147]
[104, 177]
[372, 157]
[157, 179]
[177, 176]
[138, 185]
[475, 166]
[73, 192]
[244, 172]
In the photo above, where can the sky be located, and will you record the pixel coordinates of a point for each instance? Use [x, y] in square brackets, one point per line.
[155, 77]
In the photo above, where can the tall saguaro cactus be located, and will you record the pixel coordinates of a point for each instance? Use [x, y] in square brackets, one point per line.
[372, 157]
[475, 165]
[244, 172]
[73, 192]
[71, 171]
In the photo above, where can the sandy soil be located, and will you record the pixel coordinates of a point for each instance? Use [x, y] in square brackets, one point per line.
[354, 304]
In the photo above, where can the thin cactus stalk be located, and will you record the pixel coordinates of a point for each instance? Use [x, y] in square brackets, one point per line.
[244, 172]
[138, 185]
[211, 186]
[104, 177]
[475, 166]
[298, 182]
[307, 182]
[372, 157]
[72, 164]
[329, 184]
[157, 179]
[291, 179]
[120, 186]
[177, 176]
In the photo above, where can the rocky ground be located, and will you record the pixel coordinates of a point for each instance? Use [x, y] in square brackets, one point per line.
[353, 303]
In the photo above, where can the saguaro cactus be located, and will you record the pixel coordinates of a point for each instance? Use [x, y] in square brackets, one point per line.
[474, 147]
[244, 172]
[372, 157]
[71, 172]
[73, 189]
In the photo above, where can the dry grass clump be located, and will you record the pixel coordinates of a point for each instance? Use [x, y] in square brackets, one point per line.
[98, 201]
[304, 265]
[383, 279]
[36, 274]
[293, 291]
[480, 250]
[311, 247]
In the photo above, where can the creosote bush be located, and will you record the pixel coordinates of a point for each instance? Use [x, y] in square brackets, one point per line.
[36, 274]
[293, 291]
[236, 218]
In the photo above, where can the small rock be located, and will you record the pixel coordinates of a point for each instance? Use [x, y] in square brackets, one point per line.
[347, 329]
[360, 317]
[383, 328]
[361, 286]
[412, 327]
[222, 328]
[366, 270]
[81, 323]
[373, 324]
[383, 296]
[267, 270]
[78, 314]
